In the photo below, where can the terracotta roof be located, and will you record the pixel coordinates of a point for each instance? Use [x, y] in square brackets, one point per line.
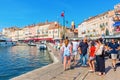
[75, 30]
[53, 26]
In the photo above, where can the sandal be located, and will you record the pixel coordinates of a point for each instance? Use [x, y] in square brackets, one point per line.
[100, 74]
[103, 73]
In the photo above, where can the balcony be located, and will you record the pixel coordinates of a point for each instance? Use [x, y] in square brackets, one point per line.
[116, 18]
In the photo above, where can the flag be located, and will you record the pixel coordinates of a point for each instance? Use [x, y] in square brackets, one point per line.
[62, 14]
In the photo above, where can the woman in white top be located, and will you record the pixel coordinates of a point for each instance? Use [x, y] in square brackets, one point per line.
[67, 51]
[100, 60]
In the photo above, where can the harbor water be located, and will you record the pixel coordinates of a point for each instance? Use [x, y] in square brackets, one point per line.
[17, 60]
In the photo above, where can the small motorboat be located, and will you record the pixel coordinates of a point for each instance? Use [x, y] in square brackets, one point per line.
[41, 46]
[31, 44]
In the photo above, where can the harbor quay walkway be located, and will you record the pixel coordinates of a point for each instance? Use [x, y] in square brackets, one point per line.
[55, 71]
[110, 73]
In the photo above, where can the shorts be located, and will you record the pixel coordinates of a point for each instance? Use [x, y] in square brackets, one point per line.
[74, 53]
[113, 56]
[92, 58]
[66, 54]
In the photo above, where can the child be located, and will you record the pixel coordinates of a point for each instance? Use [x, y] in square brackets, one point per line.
[92, 57]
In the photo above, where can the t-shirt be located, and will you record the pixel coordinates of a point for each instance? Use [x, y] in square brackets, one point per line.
[113, 47]
[92, 51]
[84, 47]
[75, 46]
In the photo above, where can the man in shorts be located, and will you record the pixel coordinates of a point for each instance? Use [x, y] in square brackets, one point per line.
[113, 47]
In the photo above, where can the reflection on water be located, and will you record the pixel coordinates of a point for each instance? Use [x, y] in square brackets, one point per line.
[17, 60]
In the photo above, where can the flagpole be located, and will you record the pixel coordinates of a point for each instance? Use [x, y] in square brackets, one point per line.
[62, 15]
[64, 26]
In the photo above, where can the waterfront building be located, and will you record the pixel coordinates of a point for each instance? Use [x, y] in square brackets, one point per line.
[32, 31]
[20, 35]
[15, 35]
[10, 32]
[97, 26]
[26, 33]
[7, 31]
[41, 31]
[54, 31]
[116, 20]
[103, 25]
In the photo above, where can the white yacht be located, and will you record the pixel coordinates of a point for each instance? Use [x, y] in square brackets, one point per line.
[6, 41]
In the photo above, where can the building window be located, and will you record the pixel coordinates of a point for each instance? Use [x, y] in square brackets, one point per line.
[103, 17]
[106, 16]
[106, 23]
[103, 24]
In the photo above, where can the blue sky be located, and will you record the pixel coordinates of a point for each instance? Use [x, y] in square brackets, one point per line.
[24, 12]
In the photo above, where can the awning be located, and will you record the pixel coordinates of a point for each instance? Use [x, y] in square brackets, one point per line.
[112, 37]
[39, 39]
[116, 24]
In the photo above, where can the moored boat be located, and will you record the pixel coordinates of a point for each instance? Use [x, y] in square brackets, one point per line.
[6, 41]
[42, 46]
[31, 44]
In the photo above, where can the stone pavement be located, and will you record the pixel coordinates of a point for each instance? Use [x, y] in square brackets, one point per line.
[55, 71]
[110, 73]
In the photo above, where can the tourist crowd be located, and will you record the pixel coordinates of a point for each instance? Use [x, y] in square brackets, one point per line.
[90, 53]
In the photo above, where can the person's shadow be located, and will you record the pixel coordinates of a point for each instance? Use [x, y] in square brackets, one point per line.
[108, 69]
[118, 64]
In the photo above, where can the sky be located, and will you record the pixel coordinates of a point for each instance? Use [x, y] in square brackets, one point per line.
[21, 13]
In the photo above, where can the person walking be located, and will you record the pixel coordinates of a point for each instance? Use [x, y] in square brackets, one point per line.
[67, 51]
[91, 60]
[119, 50]
[113, 47]
[100, 60]
[61, 52]
[75, 51]
[83, 48]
